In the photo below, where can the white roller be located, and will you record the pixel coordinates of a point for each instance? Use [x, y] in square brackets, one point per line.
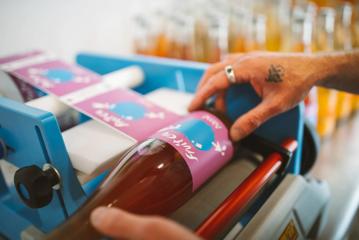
[171, 100]
[66, 116]
[128, 77]
[8, 88]
[92, 145]
[124, 78]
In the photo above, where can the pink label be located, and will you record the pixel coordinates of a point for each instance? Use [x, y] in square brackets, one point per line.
[128, 112]
[57, 77]
[202, 140]
[122, 109]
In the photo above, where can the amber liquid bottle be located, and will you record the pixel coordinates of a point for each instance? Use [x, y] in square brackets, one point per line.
[160, 174]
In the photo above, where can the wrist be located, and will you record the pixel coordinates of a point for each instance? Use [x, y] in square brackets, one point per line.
[325, 69]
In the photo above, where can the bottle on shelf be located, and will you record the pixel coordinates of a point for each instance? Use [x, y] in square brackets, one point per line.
[277, 15]
[142, 43]
[180, 33]
[301, 28]
[343, 41]
[236, 30]
[325, 3]
[327, 98]
[301, 40]
[159, 174]
[355, 34]
[255, 39]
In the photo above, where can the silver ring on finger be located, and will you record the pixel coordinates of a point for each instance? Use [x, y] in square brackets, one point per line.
[229, 71]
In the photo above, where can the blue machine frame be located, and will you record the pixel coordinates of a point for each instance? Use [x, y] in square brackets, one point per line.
[35, 138]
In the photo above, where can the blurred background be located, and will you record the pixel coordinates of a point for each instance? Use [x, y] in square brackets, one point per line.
[197, 30]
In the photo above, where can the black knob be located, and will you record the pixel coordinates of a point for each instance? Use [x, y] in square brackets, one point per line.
[35, 186]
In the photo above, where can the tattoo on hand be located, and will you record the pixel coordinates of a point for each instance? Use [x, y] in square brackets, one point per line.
[275, 74]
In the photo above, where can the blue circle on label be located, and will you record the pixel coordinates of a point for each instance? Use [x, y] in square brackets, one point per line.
[61, 75]
[199, 133]
[129, 110]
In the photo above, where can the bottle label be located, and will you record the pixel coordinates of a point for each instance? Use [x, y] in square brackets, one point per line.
[127, 112]
[56, 77]
[203, 141]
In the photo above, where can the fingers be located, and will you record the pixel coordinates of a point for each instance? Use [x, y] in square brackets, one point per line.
[212, 70]
[220, 103]
[215, 84]
[117, 223]
[251, 120]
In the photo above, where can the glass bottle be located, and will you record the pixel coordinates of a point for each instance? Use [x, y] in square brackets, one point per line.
[277, 13]
[325, 3]
[201, 37]
[159, 174]
[327, 98]
[179, 40]
[158, 34]
[301, 40]
[236, 30]
[255, 38]
[217, 38]
[301, 29]
[343, 41]
[355, 34]
[141, 36]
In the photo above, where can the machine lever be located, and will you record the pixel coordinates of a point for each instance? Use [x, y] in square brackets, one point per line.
[35, 185]
[235, 204]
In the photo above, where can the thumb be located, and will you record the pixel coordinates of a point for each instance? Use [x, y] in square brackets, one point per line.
[116, 223]
[251, 120]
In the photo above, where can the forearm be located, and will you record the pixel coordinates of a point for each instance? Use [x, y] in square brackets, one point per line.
[339, 70]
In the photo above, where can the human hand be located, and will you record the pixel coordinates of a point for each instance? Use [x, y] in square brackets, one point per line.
[281, 80]
[116, 223]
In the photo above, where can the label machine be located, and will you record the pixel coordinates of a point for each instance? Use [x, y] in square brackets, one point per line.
[288, 206]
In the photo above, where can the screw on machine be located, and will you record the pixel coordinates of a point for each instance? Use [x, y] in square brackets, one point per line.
[35, 185]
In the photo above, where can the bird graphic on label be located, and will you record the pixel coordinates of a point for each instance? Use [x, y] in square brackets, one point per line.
[56, 76]
[219, 148]
[129, 110]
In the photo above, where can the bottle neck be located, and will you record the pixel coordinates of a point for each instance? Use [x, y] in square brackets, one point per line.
[222, 116]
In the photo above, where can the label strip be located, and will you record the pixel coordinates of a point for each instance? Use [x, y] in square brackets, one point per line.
[122, 109]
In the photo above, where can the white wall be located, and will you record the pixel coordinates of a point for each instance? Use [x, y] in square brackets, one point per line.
[66, 27]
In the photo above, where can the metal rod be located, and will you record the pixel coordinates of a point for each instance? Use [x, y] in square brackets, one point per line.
[234, 205]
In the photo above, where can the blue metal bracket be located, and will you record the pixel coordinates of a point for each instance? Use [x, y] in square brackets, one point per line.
[33, 137]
